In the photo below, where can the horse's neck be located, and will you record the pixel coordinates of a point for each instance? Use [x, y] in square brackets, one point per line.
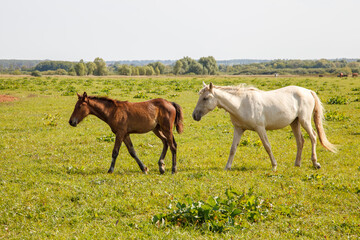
[99, 110]
[227, 101]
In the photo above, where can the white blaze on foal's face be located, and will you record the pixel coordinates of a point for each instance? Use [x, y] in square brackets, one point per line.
[206, 103]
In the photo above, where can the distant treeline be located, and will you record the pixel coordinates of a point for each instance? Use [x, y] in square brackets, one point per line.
[184, 66]
[296, 67]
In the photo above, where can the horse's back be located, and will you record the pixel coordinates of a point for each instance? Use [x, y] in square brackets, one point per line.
[282, 106]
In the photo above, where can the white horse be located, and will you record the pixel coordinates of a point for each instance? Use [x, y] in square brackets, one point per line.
[256, 110]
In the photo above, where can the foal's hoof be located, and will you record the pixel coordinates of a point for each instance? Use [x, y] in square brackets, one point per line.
[274, 168]
[111, 171]
[317, 165]
[145, 170]
[162, 170]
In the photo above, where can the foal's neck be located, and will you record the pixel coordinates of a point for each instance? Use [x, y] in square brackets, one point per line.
[99, 109]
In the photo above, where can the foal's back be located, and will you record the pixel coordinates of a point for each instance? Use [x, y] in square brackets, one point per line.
[142, 117]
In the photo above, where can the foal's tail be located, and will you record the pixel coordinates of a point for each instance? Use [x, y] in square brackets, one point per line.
[178, 118]
[318, 119]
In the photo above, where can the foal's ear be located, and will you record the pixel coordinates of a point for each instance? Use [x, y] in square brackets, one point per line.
[85, 97]
[204, 84]
[211, 87]
[79, 96]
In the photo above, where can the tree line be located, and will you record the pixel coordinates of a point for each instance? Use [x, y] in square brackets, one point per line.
[183, 66]
[295, 67]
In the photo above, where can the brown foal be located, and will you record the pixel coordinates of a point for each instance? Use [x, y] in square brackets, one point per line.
[124, 118]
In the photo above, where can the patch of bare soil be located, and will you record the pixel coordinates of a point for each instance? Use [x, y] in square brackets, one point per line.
[7, 98]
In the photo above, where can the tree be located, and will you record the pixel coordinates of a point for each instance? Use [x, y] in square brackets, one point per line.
[142, 70]
[125, 70]
[80, 68]
[159, 65]
[101, 68]
[178, 67]
[209, 65]
[196, 68]
[157, 71]
[90, 67]
[149, 70]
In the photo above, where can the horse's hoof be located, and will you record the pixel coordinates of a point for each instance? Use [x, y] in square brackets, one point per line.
[145, 170]
[110, 171]
[227, 168]
[274, 168]
[317, 165]
[162, 170]
[297, 164]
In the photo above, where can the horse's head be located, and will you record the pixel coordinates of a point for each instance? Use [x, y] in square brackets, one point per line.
[206, 103]
[81, 110]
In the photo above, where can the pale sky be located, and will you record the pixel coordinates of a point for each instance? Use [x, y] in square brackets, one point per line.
[167, 29]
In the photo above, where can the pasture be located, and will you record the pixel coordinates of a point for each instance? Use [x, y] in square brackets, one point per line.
[54, 182]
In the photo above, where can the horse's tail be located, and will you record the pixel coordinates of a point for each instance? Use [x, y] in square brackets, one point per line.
[178, 118]
[318, 119]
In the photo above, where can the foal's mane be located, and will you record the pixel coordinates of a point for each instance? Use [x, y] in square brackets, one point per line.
[106, 100]
[235, 90]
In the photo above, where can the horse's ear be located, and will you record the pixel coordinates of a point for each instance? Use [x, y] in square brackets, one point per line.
[211, 87]
[204, 84]
[79, 96]
[85, 97]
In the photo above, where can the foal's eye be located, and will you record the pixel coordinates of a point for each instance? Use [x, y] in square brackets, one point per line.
[205, 98]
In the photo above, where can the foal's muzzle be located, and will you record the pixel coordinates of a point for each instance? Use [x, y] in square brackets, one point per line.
[72, 123]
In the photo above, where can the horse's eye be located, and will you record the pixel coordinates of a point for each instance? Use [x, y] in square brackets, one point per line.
[205, 98]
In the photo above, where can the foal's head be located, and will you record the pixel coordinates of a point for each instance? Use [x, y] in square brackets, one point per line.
[206, 103]
[81, 110]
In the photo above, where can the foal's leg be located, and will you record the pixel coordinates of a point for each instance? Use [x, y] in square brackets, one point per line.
[165, 148]
[115, 152]
[306, 124]
[238, 132]
[172, 144]
[295, 126]
[132, 152]
[265, 142]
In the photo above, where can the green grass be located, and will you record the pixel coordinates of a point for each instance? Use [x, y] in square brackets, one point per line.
[54, 182]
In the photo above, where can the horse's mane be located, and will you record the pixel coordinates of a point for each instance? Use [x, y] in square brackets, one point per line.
[235, 90]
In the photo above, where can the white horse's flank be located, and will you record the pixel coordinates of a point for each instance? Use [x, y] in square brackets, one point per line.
[256, 110]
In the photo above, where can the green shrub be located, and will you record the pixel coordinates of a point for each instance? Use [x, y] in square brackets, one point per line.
[341, 100]
[335, 116]
[217, 214]
[70, 91]
[36, 73]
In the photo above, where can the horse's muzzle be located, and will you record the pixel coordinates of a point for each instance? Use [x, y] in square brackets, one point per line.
[196, 116]
[72, 123]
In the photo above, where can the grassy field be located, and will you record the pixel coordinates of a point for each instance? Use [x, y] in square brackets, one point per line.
[54, 182]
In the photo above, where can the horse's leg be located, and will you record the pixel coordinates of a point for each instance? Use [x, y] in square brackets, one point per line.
[165, 148]
[295, 126]
[267, 146]
[132, 152]
[115, 152]
[238, 132]
[306, 124]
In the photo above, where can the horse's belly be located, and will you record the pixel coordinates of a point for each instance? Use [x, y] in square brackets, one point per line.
[279, 122]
